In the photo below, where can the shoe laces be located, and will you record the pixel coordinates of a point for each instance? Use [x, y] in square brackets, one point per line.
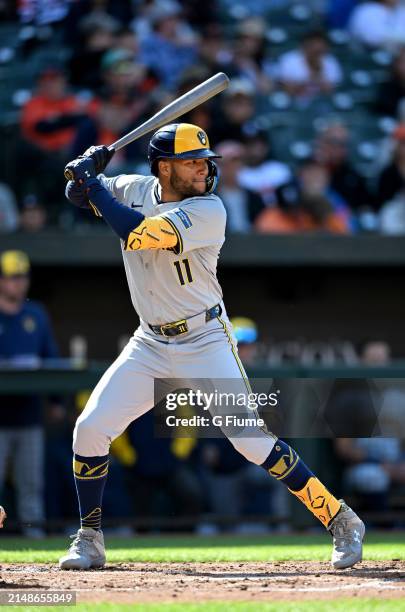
[343, 533]
[81, 541]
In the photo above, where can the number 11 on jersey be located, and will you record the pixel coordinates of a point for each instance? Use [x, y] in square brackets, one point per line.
[184, 276]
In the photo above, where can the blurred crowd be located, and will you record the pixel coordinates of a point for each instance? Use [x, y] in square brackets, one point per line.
[311, 129]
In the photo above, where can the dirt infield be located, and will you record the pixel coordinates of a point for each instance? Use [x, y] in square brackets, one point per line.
[157, 582]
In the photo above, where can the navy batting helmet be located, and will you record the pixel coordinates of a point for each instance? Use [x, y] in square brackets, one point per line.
[182, 141]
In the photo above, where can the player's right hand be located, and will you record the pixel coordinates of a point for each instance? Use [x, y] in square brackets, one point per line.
[101, 155]
[80, 170]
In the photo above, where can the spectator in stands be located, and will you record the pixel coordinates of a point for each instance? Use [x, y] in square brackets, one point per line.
[201, 14]
[249, 61]
[26, 339]
[242, 205]
[93, 14]
[331, 149]
[8, 209]
[238, 107]
[392, 215]
[392, 92]
[391, 188]
[49, 121]
[215, 50]
[123, 75]
[43, 12]
[172, 45]
[261, 173]
[306, 204]
[379, 23]
[93, 40]
[118, 113]
[257, 7]
[125, 39]
[202, 114]
[374, 465]
[338, 13]
[123, 102]
[310, 70]
[33, 216]
[392, 178]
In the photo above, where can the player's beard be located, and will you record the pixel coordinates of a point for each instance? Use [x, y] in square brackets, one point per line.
[185, 189]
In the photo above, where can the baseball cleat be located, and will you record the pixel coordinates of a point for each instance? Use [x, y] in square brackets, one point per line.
[86, 551]
[348, 532]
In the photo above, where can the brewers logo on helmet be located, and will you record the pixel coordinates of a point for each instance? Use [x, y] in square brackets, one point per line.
[183, 141]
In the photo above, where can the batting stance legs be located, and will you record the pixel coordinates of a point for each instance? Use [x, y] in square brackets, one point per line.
[126, 391]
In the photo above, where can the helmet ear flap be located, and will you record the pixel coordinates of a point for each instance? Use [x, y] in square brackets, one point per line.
[213, 176]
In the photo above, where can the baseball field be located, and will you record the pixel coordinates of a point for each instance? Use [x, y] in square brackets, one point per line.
[185, 573]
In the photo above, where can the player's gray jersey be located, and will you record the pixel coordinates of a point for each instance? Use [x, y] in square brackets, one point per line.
[167, 286]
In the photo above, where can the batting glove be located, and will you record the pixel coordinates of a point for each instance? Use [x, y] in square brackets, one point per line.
[101, 156]
[81, 170]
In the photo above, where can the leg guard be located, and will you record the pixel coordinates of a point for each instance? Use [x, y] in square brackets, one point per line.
[284, 464]
[316, 497]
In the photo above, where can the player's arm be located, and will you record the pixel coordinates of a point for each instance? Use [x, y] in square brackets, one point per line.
[137, 231]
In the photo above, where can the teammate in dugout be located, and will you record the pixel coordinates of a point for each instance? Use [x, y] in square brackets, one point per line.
[172, 227]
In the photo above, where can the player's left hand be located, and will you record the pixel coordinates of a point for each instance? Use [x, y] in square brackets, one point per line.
[80, 170]
[101, 156]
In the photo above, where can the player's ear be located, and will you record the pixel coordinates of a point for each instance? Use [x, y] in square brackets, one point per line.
[164, 167]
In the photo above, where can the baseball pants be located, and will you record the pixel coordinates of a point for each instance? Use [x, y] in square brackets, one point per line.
[126, 390]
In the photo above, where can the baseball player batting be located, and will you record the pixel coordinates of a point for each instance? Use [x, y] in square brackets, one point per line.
[172, 227]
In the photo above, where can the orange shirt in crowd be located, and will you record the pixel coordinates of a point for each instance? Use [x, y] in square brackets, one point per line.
[41, 108]
[276, 221]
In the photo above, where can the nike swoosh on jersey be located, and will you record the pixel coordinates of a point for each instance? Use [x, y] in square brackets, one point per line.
[136, 205]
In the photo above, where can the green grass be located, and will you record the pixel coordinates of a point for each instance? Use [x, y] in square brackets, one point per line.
[379, 547]
[341, 605]
[315, 547]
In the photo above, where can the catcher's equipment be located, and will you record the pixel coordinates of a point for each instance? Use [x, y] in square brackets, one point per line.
[101, 155]
[183, 141]
[3, 516]
[80, 170]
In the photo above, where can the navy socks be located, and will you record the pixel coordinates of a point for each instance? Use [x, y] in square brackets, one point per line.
[90, 475]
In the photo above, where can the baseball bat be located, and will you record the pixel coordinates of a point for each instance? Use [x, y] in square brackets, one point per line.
[196, 96]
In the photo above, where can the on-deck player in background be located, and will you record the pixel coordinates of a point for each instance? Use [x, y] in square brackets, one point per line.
[26, 339]
[172, 227]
